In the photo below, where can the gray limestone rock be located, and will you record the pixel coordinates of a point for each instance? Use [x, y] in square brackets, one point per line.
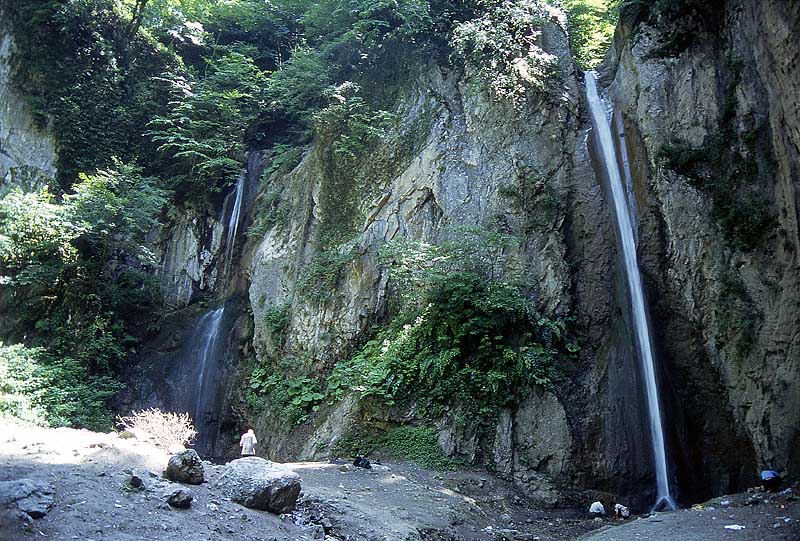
[260, 484]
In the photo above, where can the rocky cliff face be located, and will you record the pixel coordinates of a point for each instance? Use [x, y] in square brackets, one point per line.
[27, 153]
[713, 125]
[591, 425]
[724, 307]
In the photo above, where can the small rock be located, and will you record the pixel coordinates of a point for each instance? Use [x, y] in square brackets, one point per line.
[505, 517]
[180, 498]
[135, 482]
[126, 435]
[185, 467]
[34, 498]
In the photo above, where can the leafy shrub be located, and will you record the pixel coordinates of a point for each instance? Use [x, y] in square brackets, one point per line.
[75, 307]
[293, 398]
[88, 79]
[322, 275]
[277, 321]
[464, 334]
[167, 428]
[415, 443]
[58, 391]
[16, 367]
[502, 46]
[202, 135]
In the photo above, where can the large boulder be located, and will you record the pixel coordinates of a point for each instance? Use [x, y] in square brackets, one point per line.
[185, 467]
[260, 484]
[33, 498]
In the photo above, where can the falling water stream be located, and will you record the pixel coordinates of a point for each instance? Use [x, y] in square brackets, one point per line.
[634, 280]
[233, 222]
[206, 340]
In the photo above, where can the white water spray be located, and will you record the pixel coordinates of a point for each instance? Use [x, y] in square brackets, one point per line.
[209, 330]
[634, 280]
[233, 222]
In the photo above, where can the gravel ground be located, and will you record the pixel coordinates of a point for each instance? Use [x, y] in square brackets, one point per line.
[394, 502]
[755, 515]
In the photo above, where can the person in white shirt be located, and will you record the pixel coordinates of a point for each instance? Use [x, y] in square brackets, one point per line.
[248, 443]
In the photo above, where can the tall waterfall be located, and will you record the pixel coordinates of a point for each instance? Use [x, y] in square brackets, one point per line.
[206, 352]
[233, 221]
[634, 280]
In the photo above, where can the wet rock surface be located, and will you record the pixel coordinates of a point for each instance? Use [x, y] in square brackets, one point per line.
[725, 316]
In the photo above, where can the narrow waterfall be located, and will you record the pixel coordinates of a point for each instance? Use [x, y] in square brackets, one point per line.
[233, 221]
[634, 280]
[207, 354]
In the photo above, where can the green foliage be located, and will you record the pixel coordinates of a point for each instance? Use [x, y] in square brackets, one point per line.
[293, 398]
[349, 126]
[36, 239]
[591, 25]
[418, 444]
[322, 275]
[415, 443]
[75, 305]
[277, 321]
[116, 208]
[502, 46]
[465, 335]
[348, 130]
[87, 79]
[296, 91]
[202, 136]
[59, 391]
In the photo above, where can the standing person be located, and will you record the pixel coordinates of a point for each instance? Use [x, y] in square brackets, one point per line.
[248, 443]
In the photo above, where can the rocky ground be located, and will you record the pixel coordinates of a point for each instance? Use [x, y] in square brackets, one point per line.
[79, 481]
[748, 516]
